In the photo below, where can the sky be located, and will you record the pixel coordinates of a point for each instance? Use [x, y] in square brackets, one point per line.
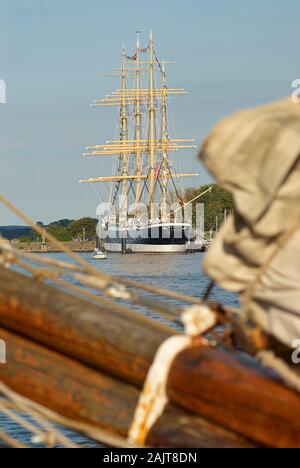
[230, 54]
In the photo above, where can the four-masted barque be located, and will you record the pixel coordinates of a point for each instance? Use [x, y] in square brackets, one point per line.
[146, 204]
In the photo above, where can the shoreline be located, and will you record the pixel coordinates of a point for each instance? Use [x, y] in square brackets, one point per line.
[38, 247]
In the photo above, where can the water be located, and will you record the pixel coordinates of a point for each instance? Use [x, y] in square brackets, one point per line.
[180, 273]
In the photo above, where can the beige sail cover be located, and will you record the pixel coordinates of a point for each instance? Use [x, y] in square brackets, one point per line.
[255, 155]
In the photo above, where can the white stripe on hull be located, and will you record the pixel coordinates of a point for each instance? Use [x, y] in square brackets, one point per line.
[147, 248]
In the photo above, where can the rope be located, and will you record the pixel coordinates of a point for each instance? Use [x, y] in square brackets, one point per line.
[13, 404]
[270, 360]
[110, 286]
[112, 291]
[88, 268]
[47, 435]
[43, 432]
[153, 398]
[10, 442]
[158, 62]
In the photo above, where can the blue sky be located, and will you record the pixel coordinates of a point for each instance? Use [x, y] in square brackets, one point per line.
[229, 54]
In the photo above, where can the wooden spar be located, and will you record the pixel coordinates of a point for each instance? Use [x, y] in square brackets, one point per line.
[97, 335]
[225, 389]
[66, 386]
[83, 394]
[220, 388]
[119, 178]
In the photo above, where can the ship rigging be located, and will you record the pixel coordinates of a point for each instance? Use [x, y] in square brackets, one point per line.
[145, 196]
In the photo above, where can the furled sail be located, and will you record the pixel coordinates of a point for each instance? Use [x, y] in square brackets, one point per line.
[255, 155]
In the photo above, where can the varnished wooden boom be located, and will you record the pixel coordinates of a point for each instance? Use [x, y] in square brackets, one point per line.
[208, 382]
[100, 336]
[83, 394]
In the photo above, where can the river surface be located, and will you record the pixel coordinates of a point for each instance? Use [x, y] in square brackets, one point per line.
[180, 273]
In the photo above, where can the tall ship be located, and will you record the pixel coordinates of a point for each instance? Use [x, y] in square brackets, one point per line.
[146, 207]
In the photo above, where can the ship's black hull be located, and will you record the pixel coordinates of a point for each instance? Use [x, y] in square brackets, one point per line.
[167, 238]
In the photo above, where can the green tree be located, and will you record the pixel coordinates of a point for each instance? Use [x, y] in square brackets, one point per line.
[59, 232]
[25, 239]
[75, 229]
[216, 203]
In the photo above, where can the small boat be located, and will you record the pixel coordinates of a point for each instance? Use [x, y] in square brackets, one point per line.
[99, 255]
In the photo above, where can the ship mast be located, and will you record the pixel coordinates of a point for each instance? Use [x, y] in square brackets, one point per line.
[124, 156]
[130, 176]
[137, 129]
[164, 136]
[151, 130]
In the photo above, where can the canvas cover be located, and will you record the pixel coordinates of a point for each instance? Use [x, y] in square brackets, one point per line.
[255, 155]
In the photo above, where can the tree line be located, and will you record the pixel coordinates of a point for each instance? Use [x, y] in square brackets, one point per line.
[65, 230]
[217, 204]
